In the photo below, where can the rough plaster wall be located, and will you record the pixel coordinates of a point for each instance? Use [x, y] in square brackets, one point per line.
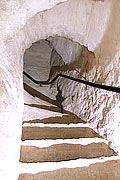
[14, 41]
[98, 107]
[99, 30]
[15, 13]
[91, 23]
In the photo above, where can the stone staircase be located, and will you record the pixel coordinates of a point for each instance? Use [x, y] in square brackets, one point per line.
[60, 146]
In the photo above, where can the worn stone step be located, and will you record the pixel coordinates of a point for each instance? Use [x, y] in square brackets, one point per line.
[56, 132]
[32, 113]
[65, 119]
[88, 169]
[64, 152]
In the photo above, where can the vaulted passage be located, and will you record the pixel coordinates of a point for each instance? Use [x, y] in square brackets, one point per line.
[77, 38]
[51, 133]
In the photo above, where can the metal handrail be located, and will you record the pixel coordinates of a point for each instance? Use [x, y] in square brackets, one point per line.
[104, 87]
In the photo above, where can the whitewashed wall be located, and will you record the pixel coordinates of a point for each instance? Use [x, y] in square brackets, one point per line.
[91, 23]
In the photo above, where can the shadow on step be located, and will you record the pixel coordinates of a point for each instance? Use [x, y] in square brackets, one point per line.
[65, 119]
[49, 108]
[39, 95]
[64, 152]
[109, 170]
[39, 133]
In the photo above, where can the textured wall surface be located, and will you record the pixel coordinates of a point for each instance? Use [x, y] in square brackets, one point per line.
[98, 107]
[94, 24]
[15, 37]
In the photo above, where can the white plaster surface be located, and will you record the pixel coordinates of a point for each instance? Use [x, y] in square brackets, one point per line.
[55, 125]
[92, 24]
[32, 113]
[39, 167]
[47, 143]
[13, 17]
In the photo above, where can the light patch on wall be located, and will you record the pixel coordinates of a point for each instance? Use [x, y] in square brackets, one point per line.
[117, 125]
[99, 0]
[113, 127]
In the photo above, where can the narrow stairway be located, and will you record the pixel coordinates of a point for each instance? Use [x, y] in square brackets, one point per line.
[58, 142]
[50, 146]
[60, 146]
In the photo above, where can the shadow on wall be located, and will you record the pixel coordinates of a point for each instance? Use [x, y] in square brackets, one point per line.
[57, 102]
[39, 95]
[85, 62]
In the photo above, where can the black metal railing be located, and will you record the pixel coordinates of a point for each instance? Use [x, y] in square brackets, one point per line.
[104, 87]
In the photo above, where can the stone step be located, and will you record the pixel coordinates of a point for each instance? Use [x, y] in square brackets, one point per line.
[88, 169]
[32, 113]
[64, 119]
[64, 152]
[39, 132]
